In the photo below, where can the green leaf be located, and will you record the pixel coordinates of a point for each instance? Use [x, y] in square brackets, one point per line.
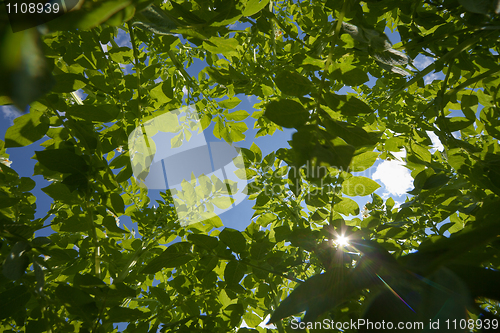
[237, 115]
[214, 221]
[257, 152]
[27, 184]
[120, 314]
[6, 201]
[26, 129]
[337, 156]
[420, 152]
[187, 15]
[160, 93]
[154, 19]
[125, 174]
[60, 192]
[230, 103]
[470, 275]
[252, 320]
[363, 161]
[347, 104]
[455, 123]
[226, 46]
[100, 113]
[89, 17]
[436, 180]
[69, 82]
[117, 202]
[62, 160]
[110, 223]
[233, 239]
[354, 77]
[17, 261]
[222, 202]
[478, 6]
[254, 6]
[293, 84]
[359, 186]
[469, 104]
[13, 300]
[287, 113]
[77, 223]
[77, 301]
[316, 295]
[234, 272]
[351, 134]
[320, 147]
[76, 181]
[175, 255]
[160, 295]
[203, 241]
[265, 219]
[347, 206]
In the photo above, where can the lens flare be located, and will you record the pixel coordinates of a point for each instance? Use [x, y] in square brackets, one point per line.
[342, 241]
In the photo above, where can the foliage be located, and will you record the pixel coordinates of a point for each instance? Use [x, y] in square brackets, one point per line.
[295, 57]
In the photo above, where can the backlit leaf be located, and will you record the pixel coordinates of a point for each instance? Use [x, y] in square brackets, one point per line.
[359, 186]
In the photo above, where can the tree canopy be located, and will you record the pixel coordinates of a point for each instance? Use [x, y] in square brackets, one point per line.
[326, 69]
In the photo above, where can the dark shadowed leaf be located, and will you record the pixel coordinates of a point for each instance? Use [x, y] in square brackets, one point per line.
[354, 77]
[13, 300]
[347, 104]
[17, 261]
[101, 113]
[175, 255]
[120, 314]
[287, 113]
[62, 160]
[233, 239]
[117, 202]
[293, 84]
[204, 241]
[234, 272]
[69, 82]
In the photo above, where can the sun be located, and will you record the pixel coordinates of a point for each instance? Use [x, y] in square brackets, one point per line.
[342, 241]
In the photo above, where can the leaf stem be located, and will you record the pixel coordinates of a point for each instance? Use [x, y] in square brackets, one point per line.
[333, 42]
[111, 71]
[93, 234]
[137, 69]
[276, 302]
